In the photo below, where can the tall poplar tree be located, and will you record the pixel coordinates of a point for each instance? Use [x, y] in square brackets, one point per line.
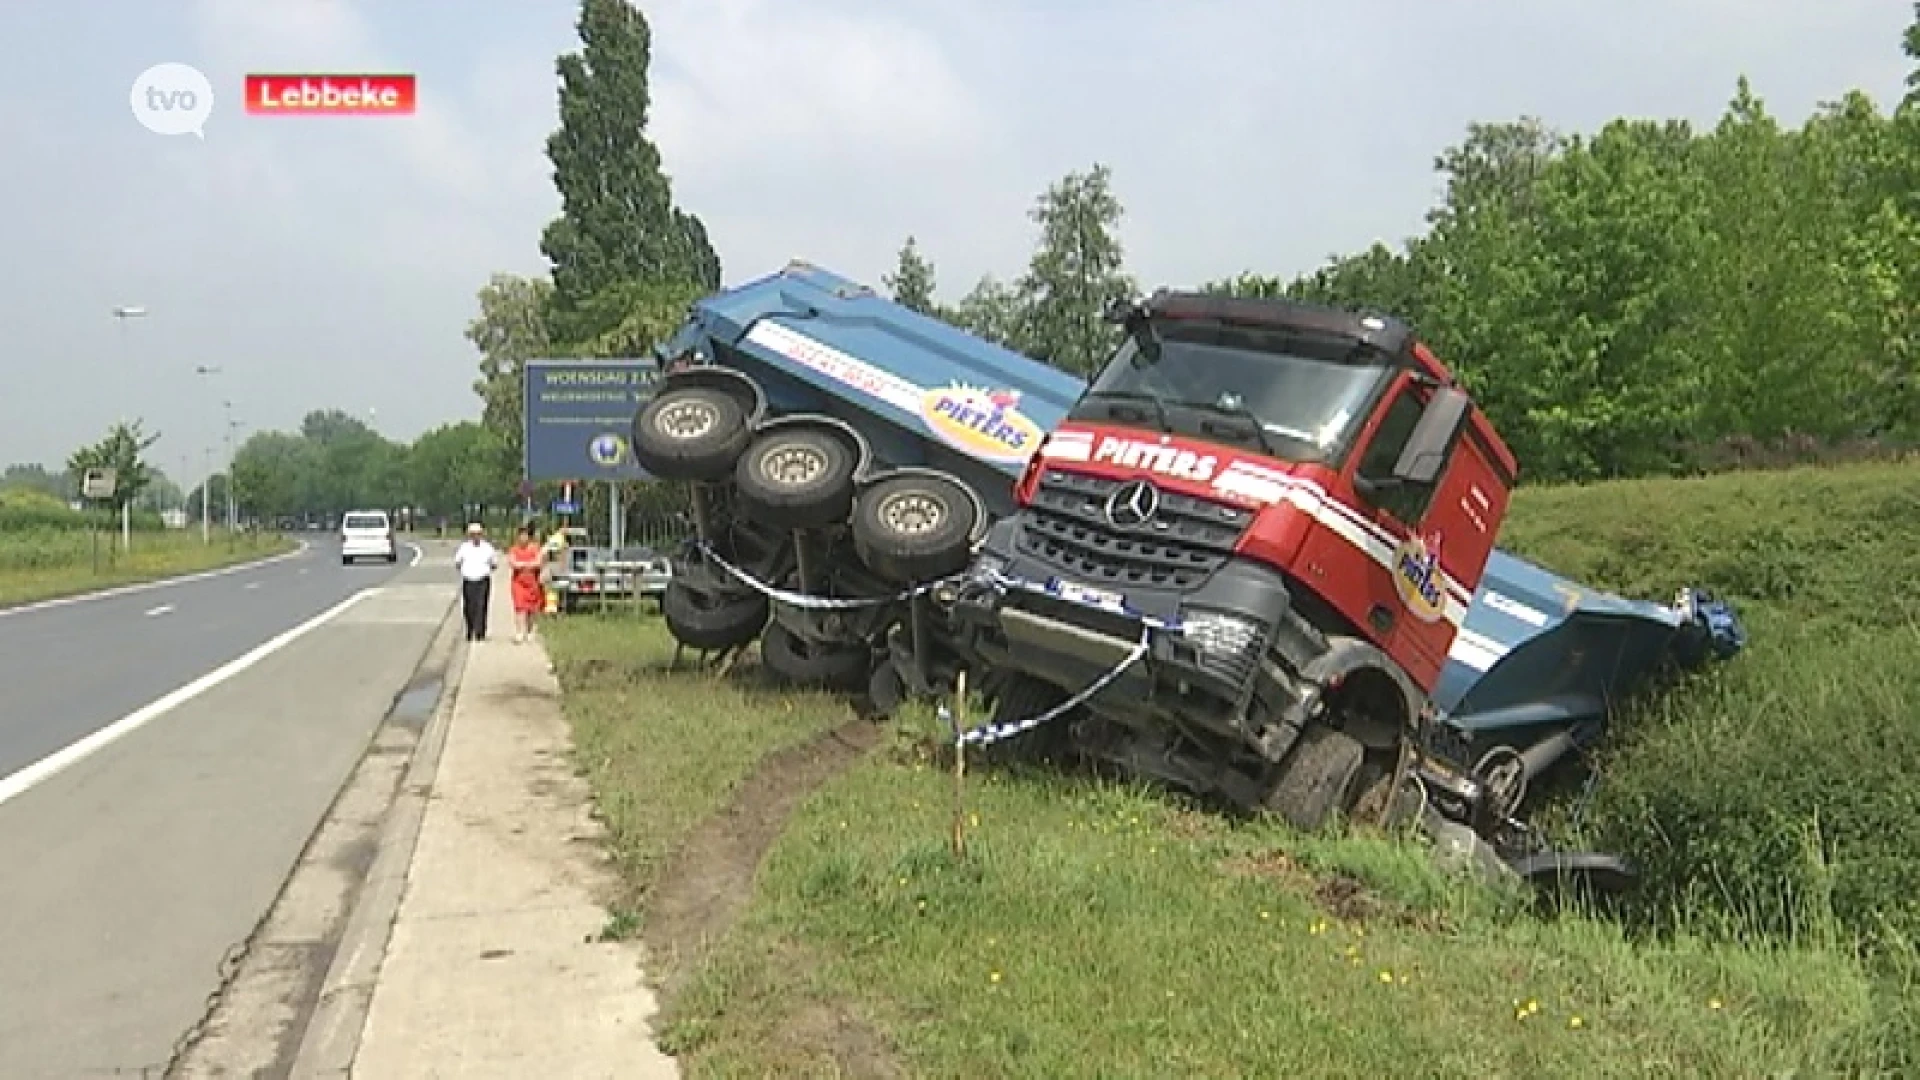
[619, 243]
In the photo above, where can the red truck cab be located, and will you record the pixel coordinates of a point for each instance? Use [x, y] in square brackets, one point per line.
[1298, 501]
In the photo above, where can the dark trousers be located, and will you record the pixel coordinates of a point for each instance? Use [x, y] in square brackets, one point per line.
[473, 604]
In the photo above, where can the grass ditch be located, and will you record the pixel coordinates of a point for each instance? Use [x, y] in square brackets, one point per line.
[1103, 929]
[1774, 795]
[664, 751]
[45, 564]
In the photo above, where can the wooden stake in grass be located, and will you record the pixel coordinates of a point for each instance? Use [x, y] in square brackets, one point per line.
[959, 766]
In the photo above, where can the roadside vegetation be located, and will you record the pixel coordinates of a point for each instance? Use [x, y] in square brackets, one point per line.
[48, 550]
[1102, 929]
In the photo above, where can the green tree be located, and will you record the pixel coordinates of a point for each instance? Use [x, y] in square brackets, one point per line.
[912, 280]
[331, 427]
[123, 451]
[36, 477]
[275, 472]
[1910, 44]
[456, 465]
[1379, 278]
[633, 316]
[992, 310]
[618, 223]
[510, 330]
[1077, 271]
[215, 488]
[161, 493]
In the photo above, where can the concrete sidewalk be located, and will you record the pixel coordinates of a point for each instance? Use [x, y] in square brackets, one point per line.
[492, 968]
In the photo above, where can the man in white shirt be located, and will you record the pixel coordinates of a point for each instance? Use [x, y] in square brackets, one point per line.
[475, 558]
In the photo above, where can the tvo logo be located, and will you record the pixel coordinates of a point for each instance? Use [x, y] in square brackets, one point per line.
[172, 99]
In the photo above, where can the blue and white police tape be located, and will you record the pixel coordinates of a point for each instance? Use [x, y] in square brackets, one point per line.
[988, 734]
[804, 600]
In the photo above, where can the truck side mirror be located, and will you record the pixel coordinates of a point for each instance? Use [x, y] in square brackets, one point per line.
[1426, 449]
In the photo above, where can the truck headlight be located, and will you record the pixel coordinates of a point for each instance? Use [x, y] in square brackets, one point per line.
[1215, 632]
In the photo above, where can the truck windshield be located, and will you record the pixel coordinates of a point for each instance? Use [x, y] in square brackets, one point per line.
[1305, 393]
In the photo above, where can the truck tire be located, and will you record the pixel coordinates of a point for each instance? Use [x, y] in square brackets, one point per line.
[886, 690]
[692, 433]
[803, 663]
[797, 478]
[914, 528]
[1317, 777]
[1023, 697]
[712, 621]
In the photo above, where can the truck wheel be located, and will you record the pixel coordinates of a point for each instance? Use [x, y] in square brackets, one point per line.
[690, 433]
[712, 621]
[1317, 778]
[886, 690]
[1022, 698]
[804, 663]
[914, 528]
[797, 478]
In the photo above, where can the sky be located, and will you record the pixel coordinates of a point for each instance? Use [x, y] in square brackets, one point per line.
[332, 262]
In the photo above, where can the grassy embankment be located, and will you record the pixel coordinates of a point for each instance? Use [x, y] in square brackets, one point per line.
[1111, 931]
[48, 551]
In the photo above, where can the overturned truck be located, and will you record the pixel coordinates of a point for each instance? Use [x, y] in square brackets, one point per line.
[1254, 557]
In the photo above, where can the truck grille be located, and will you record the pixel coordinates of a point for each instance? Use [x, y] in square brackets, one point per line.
[1066, 526]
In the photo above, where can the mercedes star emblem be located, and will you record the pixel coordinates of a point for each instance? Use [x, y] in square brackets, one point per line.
[1133, 504]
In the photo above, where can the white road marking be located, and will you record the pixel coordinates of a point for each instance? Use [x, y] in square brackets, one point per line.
[24, 780]
[252, 585]
[161, 610]
[149, 586]
[418, 554]
[303, 571]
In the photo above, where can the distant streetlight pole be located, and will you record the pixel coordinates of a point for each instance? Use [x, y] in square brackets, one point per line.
[206, 485]
[206, 493]
[232, 426]
[121, 315]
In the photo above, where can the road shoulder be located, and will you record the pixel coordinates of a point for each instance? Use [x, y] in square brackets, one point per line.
[501, 905]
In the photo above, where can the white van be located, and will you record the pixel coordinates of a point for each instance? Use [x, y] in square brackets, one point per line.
[367, 534]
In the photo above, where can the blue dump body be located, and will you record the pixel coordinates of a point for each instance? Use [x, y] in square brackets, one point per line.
[1537, 652]
[921, 391]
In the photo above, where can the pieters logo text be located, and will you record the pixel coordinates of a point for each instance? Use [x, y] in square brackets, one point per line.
[330, 95]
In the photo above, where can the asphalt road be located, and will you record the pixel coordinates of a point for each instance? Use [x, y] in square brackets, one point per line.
[202, 741]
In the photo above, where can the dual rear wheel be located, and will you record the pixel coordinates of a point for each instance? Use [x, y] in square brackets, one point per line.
[907, 528]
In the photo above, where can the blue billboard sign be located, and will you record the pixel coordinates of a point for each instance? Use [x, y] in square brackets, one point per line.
[579, 416]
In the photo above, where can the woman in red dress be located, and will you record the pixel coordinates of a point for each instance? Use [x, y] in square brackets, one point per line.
[524, 560]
